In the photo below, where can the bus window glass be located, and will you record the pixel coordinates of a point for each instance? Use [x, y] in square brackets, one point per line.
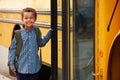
[83, 55]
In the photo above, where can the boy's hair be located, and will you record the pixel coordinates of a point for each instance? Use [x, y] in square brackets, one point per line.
[29, 10]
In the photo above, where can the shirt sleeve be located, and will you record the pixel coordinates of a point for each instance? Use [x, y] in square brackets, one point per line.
[12, 53]
[45, 39]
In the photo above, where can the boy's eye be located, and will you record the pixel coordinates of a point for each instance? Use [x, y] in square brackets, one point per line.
[29, 18]
[26, 18]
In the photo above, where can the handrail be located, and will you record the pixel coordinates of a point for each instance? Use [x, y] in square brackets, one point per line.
[37, 23]
[42, 12]
[16, 21]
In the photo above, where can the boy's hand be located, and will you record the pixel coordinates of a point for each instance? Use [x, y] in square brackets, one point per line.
[51, 29]
[14, 71]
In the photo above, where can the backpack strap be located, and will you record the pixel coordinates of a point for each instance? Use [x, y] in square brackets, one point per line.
[38, 35]
[19, 42]
[37, 31]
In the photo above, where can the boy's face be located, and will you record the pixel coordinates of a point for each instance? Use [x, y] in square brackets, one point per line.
[28, 19]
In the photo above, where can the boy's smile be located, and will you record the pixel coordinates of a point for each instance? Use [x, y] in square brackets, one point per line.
[28, 20]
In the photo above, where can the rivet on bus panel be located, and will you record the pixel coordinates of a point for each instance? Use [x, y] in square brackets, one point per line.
[0, 34]
[101, 53]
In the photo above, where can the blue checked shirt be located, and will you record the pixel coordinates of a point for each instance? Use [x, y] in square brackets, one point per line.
[28, 61]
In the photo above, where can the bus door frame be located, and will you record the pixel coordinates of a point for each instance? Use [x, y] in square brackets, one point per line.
[54, 48]
[65, 40]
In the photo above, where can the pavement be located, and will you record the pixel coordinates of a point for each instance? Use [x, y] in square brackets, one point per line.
[2, 77]
[4, 70]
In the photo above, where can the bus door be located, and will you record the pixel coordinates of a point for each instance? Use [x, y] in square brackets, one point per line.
[74, 40]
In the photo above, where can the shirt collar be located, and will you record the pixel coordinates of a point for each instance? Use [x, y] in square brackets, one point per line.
[27, 30]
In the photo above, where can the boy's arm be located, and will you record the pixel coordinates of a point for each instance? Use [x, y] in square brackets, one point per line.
[45, 39]
[12, 53]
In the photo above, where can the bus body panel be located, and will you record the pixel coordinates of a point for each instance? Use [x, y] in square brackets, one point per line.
[107, 28]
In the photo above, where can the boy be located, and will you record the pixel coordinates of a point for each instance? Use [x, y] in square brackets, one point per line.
[28, 61]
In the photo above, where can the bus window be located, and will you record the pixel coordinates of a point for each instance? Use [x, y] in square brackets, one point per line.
[83, 55]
